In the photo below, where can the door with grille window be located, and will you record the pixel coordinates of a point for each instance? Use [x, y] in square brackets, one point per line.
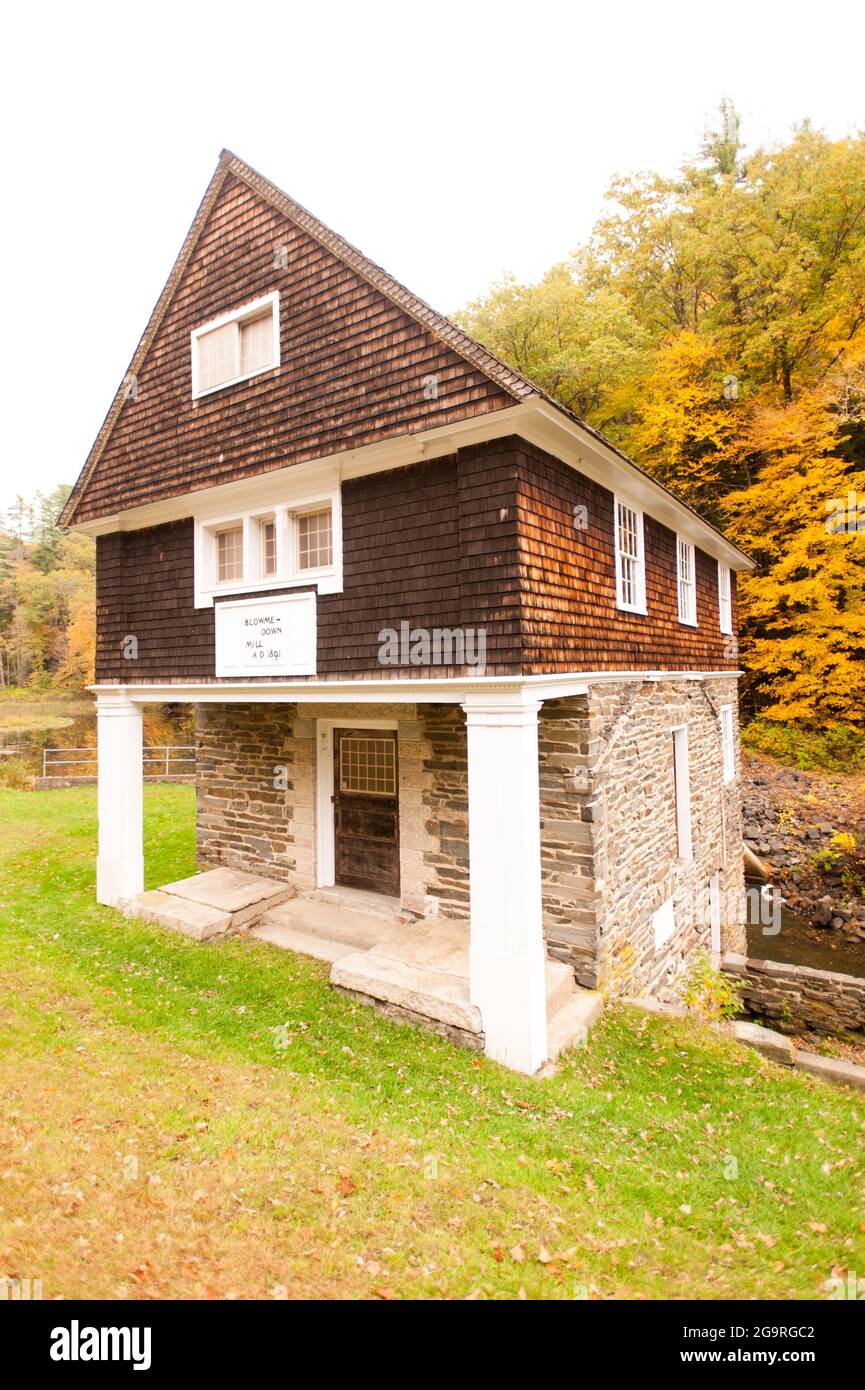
[366, 809]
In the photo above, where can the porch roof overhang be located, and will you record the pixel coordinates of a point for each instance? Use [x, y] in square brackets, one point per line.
[508, 689]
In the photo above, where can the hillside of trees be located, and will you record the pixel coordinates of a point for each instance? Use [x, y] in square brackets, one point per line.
[47, 597]
[714, 328]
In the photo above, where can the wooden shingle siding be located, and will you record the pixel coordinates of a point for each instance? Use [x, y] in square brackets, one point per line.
[145, 592]
[570, 621]
[352, 368]
[433, 545]
[482, 539]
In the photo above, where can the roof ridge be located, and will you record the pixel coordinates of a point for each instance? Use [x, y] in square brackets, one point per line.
[504, 375]
[498, 371]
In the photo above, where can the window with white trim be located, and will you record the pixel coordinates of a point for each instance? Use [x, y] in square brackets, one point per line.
[630, 559]
[268, 547]
[294, 542]
[725, 601]
[686, 576]
[314, 540]
[236, 346]
[682, 789]
[229, 554]
[728, 746]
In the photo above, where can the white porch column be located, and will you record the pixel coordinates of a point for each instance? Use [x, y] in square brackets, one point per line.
[120, 861]
[506, 956]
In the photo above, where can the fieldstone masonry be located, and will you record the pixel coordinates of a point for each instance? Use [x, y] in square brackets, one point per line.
[256, 776]
[795, 998]
[245, 818]
[609, 854]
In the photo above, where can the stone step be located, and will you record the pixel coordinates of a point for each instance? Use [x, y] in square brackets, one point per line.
[196, 920]
[358, 900]
[433, 994]
[326, 922]
[212, 904]
[560, 985]
[305, 944]
[570, 1025]
[244, 896]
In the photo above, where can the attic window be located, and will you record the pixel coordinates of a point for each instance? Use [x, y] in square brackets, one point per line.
[236, 346]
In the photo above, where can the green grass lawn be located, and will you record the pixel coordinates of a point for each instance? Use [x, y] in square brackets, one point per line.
[189, 1121]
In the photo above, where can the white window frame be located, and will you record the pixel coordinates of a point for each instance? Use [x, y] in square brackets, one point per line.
[725, 599]
[682, 787]
[245, 311]
[282, 505]
[638, 604]
[686, 588]
[728, 742]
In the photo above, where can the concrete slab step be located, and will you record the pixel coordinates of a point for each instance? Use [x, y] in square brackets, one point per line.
[196, 920]
[305, 944]
[312, 918]
[244, 896]
[359, 900]
[431, 993]
[571, 1024]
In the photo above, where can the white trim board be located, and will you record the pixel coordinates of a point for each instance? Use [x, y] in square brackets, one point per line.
[376, 692]
[537, 422]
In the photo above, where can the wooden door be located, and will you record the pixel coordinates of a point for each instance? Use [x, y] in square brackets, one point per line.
[366, 809]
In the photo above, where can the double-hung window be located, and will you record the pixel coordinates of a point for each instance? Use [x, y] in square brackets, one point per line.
[686, 577]
[725, 602]
[630, 558]
[236, 346]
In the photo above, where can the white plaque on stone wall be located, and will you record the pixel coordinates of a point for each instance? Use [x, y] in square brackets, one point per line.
[266, 636]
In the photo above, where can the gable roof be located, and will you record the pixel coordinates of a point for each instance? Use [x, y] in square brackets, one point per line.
[502, 377]
[507, 378]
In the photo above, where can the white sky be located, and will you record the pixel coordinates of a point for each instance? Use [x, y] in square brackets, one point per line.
[451, 142]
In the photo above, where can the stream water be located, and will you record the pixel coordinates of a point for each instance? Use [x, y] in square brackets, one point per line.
[798, 943]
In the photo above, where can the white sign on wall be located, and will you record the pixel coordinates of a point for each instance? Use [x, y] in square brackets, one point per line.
[266, 636]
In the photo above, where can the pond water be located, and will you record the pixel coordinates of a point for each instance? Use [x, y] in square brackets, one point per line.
[798, 943]
[165, 724]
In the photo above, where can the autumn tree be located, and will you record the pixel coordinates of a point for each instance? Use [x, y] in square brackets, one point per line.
[715, 327]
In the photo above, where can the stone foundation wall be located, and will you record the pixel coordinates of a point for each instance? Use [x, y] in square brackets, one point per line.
[609, 844]
[795, 998]
[256, 795]
[572, 898]
[446, 805]
[631, 748]
[245, 818]
[609, 853]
